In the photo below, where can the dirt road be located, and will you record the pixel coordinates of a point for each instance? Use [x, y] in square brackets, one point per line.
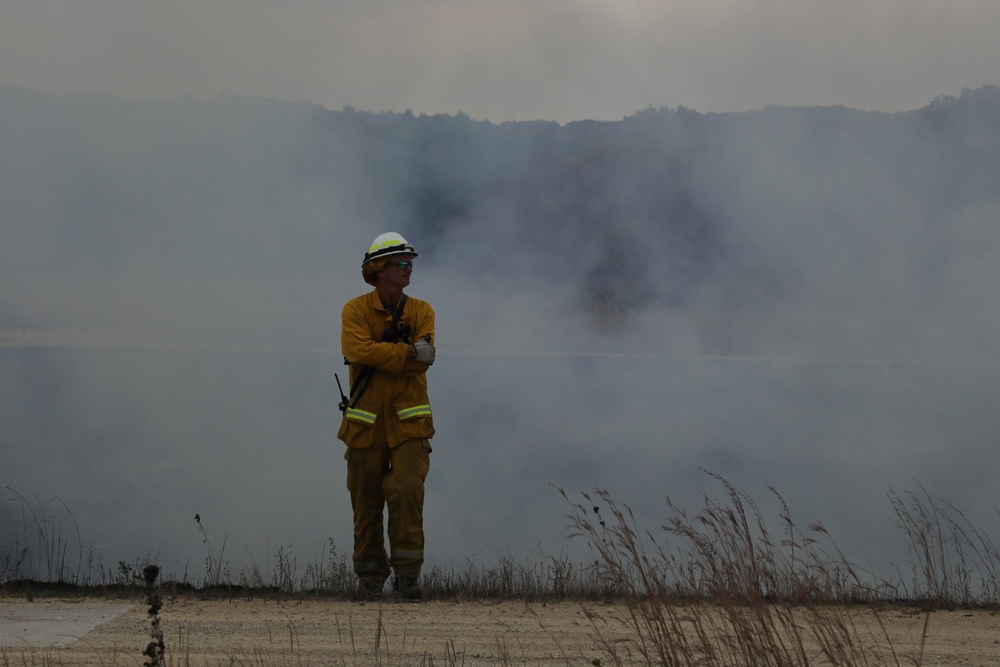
[327, 632]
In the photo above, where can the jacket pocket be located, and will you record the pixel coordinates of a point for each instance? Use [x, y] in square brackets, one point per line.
[356, 427]
[359, 415]
[365, 412]
[415, 419]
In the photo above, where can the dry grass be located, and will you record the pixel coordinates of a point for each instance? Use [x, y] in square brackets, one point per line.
[726, 591]
[716, 587]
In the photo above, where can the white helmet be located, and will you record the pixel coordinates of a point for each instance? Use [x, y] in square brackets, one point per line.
[389, 243]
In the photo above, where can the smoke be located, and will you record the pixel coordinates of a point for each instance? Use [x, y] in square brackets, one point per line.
[796, 298]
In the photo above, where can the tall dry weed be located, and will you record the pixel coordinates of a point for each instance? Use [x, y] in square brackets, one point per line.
[716, 588]
[953, 563]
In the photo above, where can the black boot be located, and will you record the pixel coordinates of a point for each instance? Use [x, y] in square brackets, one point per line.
[369, 589]
[409, 588]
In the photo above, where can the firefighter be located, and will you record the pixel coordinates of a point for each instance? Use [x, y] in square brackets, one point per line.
[388, 340]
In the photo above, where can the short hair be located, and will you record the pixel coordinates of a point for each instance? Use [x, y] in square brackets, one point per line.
[369, 269]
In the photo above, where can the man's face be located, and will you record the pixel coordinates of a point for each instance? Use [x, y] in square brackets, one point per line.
[397, 271]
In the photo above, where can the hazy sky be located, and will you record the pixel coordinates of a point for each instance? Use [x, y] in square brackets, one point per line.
[511, 59]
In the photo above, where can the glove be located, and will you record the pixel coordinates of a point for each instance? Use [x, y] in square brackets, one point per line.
[425, 351]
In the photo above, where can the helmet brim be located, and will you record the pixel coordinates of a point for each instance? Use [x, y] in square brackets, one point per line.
[403, 249]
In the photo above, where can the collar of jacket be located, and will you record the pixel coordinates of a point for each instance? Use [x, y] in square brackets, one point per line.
[376, 301]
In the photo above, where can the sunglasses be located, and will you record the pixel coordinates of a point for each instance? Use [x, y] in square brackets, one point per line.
[404, 265]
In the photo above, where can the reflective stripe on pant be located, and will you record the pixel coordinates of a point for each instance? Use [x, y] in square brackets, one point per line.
[392, 477]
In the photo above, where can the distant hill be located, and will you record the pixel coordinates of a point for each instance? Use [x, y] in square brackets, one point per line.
[667, 207]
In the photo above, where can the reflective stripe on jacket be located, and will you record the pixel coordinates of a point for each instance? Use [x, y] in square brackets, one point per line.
[394, 406]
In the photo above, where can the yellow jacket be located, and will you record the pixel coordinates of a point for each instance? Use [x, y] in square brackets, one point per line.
[394, 407]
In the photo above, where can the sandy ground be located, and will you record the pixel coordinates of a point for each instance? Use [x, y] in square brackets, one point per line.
[328, 632]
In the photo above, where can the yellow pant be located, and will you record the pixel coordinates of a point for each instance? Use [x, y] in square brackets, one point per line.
[388, 477]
